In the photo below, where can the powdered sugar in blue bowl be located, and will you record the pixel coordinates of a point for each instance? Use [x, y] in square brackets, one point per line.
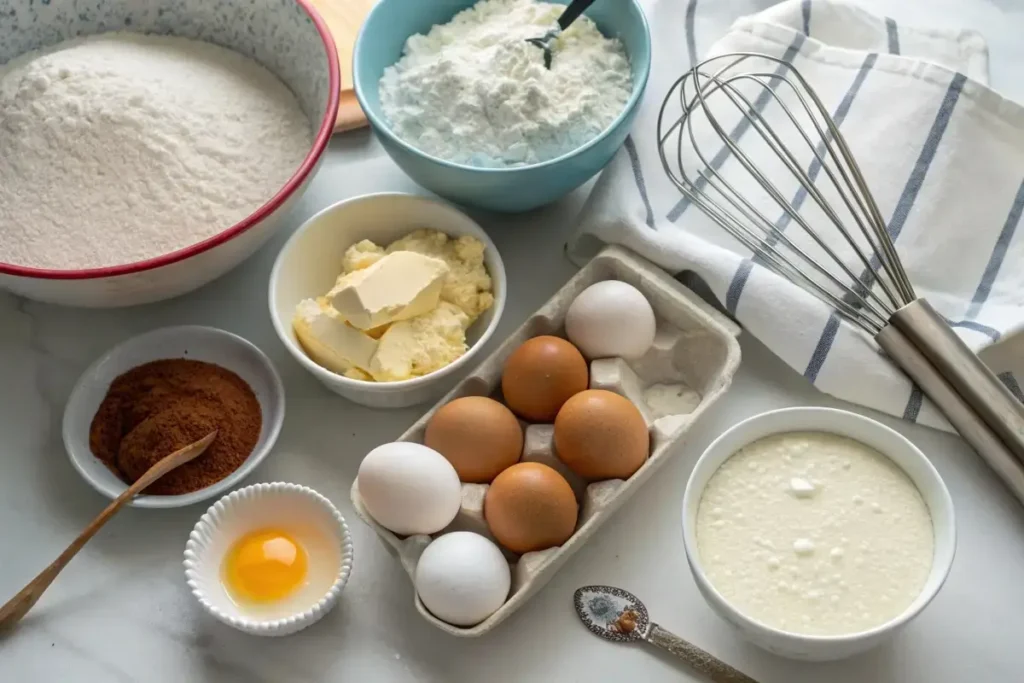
[515, 172]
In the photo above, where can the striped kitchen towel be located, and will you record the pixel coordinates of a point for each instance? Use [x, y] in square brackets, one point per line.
[942, 152]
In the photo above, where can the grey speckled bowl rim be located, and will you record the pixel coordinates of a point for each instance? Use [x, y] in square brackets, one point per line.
[323, 136]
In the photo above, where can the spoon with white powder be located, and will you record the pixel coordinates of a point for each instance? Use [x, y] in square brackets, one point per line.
[619, 616]
[571, 14]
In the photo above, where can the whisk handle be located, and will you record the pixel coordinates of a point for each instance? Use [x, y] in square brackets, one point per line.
[972, 428]
[964, 371]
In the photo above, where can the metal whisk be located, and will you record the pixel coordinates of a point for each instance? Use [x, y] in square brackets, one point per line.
[780, 152]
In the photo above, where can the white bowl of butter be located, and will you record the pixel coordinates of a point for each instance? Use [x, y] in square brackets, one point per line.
[816, 532]
[384, 297]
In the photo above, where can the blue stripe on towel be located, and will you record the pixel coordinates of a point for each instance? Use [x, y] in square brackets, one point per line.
[924, 161]
[630, 146]
[638, 175]
[913, 408]
[894, 36]
[1010, 381]
[691, 38]
[741, 127]
[828, 336]
[805, 10]
[990, 332]
[995, 261]
[739, 280]
[904, 205]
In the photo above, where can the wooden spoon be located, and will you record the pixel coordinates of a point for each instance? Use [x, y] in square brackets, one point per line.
[18, 606]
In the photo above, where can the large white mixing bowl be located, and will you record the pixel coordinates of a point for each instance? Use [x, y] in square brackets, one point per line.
[288, 38]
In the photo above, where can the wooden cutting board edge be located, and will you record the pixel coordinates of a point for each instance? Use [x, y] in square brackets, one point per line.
[344, 18]
[350, 114]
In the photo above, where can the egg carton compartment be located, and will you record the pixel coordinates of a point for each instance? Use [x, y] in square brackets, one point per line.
[690, 365]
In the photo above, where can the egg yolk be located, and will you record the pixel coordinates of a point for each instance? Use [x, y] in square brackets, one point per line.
[264, 566]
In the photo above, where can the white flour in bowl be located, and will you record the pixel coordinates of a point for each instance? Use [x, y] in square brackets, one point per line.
[473, 91]
[123, 147]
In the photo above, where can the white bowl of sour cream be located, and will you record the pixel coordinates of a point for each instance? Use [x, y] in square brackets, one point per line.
[816, 532]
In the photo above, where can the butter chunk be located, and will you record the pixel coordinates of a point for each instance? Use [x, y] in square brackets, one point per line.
[468, 285]
[361, 375]
[330, 342]
[421, 345]
[400, 286]
[362, 254]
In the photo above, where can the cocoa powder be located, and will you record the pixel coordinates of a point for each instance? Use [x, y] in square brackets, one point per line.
[154, 409]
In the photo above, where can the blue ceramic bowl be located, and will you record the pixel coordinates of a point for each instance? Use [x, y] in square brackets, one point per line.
[521, 188]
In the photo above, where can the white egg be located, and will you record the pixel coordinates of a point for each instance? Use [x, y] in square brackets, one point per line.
[611, 319]
[409, 488]
[462, 578]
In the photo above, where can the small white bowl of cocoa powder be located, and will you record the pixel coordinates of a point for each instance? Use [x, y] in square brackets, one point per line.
[162, 390]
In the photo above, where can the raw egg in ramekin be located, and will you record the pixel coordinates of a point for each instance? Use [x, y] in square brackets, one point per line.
[269, 559]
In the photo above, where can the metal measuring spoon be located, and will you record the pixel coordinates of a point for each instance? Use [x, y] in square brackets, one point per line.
[571, 14]
[619, 616]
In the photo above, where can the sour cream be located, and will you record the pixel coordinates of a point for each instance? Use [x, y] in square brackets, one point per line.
[814, 533]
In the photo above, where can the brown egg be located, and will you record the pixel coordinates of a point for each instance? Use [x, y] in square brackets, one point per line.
[530, 507]
[541, 375]
[601, 435]
[479, 436]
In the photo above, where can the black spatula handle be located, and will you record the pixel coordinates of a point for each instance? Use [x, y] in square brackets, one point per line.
[573, 12]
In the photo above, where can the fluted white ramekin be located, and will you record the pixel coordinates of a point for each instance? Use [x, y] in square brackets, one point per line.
[297, 509]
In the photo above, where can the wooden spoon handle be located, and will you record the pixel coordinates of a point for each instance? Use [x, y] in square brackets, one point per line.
[701, 661]
[18, 606]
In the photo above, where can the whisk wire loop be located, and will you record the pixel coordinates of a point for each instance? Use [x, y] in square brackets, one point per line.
[777, 146]
[793, 158]
[788, 119]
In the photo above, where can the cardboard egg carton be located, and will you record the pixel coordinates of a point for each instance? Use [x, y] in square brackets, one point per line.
[691, 364]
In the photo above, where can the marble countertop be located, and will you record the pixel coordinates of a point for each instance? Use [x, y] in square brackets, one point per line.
[121, 611]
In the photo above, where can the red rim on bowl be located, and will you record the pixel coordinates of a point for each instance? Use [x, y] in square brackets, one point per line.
[323, 136]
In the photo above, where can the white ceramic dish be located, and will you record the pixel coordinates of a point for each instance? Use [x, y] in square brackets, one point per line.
[695, 347]
[308, 516]
[874, 434]
[194, 342]
[288, 38]
[310, 261]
